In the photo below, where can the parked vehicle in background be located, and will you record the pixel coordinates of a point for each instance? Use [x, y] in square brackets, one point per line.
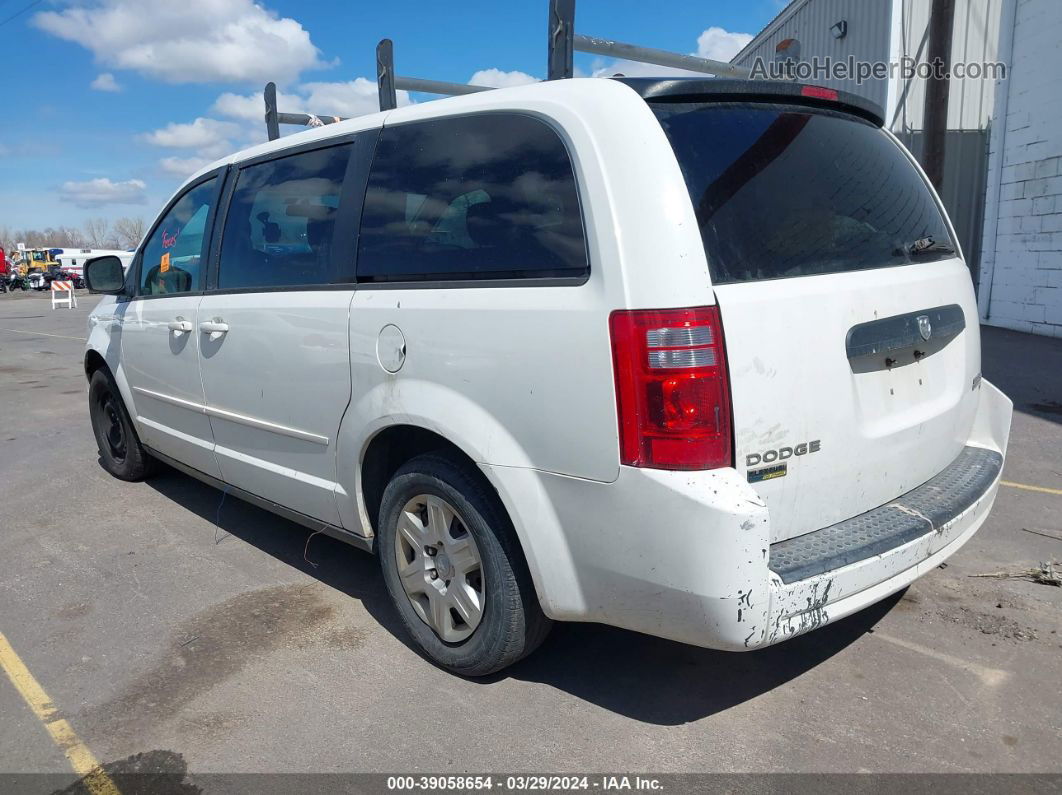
[57, 272]
[37, 279]
[74, 259]
[15, 281]
[39, 258]
[695, 358]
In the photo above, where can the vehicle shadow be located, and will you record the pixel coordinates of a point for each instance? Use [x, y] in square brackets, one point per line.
[666, 683]
[335, 564]
[642, 677]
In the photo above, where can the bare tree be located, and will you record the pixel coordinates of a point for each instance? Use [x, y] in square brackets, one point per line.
[71, 236]
[97, 233]
[129, 231]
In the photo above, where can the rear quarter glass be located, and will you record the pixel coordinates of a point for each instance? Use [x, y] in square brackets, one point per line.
[782, 191]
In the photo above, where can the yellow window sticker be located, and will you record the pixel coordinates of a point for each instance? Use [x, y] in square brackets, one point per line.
[164, 264]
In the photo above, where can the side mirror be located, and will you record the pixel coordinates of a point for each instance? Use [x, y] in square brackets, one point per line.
[105, 275]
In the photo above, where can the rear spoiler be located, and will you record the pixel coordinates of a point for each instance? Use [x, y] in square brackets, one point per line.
[713, 89]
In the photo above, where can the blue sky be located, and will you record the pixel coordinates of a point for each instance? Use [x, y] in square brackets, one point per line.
[111, 103]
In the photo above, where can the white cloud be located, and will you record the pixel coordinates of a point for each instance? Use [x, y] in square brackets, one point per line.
[183, 166]
[354, 98]
[496, 78]
[194, 41]
[244, 124]
[100, 192]
[714, 43]
[251, 107]
[105, 82]
[721, 45]
[200, 134]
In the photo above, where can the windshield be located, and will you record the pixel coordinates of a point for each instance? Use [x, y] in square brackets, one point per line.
[783, 191]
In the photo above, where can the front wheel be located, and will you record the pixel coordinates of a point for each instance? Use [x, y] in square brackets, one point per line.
[120, 450]
[454, 569]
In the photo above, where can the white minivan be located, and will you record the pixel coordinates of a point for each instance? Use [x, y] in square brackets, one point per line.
[698, 358]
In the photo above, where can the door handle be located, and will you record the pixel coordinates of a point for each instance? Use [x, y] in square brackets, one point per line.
[215, 328]
[179, 326]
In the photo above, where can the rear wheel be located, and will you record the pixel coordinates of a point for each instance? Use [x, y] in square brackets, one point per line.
[120, 449]
[453, 567]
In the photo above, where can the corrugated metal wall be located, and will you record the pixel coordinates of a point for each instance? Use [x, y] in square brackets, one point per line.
[974, 39]
[963, 190]
[809, 21]
[874, 34]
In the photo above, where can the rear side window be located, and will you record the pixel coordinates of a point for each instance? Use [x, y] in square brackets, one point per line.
[490, 196]
[783, 191]
[173, 255]
[281, 221]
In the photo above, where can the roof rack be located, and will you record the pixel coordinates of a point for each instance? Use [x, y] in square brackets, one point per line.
[274, 118]
[388, 83]
[562, 44]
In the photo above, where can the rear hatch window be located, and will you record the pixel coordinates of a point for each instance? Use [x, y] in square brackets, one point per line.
[783, 191]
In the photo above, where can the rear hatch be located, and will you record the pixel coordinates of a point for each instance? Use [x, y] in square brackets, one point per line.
[850, 321]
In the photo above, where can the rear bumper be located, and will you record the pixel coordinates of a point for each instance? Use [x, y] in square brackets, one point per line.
[802, 604]
[686, 555]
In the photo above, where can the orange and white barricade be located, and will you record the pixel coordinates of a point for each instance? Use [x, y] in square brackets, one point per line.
[63, 294]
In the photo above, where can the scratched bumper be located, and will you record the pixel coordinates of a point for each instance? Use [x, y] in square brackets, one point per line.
[686, 555]
[800, 605]
[807, 604]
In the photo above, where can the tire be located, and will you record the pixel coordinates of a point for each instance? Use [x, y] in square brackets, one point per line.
[510, 624]
[119, 446]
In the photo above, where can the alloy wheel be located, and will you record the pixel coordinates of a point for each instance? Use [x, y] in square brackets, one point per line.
[440, 568]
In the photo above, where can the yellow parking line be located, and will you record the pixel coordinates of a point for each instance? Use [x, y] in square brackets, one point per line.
[42, 334]
[81, 759]
[1041, 489]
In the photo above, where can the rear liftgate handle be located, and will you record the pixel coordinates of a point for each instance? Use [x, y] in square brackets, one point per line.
[216, 328]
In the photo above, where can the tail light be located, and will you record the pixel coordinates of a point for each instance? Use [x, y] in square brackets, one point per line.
[672, 388]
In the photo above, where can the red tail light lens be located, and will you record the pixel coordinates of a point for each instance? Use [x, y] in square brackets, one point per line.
[672, 388]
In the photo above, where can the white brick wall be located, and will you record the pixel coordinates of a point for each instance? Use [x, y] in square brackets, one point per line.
[1021, 261]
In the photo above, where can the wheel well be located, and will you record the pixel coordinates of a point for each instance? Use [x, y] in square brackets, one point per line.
[93, 362]
[393, 447]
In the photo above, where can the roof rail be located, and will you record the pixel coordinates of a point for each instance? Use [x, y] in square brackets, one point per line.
[274, 118]
[563, 43]
[388, 83]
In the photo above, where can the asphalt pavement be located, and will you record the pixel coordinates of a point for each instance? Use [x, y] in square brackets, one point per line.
[181, 632]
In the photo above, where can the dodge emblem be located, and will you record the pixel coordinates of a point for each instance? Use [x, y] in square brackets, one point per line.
[925, 328]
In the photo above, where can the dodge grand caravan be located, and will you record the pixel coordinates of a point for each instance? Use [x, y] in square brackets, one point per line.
[697, 358]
